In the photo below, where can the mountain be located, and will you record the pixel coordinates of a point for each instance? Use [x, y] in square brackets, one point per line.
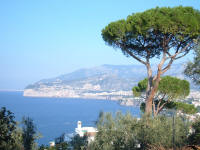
[102, 82]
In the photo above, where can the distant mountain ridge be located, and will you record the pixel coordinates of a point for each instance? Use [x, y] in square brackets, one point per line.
[104, 82]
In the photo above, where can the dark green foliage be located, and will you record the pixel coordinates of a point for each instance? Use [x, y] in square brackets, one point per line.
[169, 89]
[60, 139]
[142, 34]
[142, 85]
[169, 33]
[29, 132]
[124, 132]
[115, 133]
[171, 86]
[79, 143]
[159, 131]
[183, 107]
[10, 134]
[42, 147]
[192, 69]
[7, 128]
[60, 142]
[194, 138]
[142, 107]
[61, 146]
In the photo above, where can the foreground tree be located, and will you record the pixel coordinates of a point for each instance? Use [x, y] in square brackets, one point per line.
[194, 137]
[79, 143]
[7, 128]
[169, 90]
[10, 133]
[28, 133]
[192, 69]
[60, 142]
[164, 33]
[124, 132]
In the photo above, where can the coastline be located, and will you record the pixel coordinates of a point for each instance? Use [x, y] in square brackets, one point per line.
[123, 101]
[10, 90]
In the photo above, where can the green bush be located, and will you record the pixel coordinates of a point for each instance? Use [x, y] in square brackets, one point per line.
[124, 132]
[194, 138]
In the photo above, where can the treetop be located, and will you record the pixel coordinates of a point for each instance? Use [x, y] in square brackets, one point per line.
[146, 34]
[172, 87]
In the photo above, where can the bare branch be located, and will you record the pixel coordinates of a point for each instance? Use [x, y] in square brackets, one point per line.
[178, 52]
[173, 57]
[170, 37]
[168, 66]
[157, 95]
[181, 55]
[160, 100]
[168, 55]
[138, 59]
[158, 106]
[159, 72]
[161, 107]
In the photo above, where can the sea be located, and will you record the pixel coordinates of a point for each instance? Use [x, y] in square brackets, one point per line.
[55, 116]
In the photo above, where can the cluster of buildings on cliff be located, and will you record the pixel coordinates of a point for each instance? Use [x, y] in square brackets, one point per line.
[87, 91]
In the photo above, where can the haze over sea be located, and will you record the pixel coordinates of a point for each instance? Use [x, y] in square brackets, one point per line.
[54, 116]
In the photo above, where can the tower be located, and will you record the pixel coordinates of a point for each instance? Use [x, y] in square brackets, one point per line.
[79, 124]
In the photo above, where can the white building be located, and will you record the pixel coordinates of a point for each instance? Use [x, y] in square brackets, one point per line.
[51, 143]
[90, 132]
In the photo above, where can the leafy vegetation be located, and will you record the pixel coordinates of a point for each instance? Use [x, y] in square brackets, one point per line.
[169, 90]
[165, 33]
[169, 33]
[12, 137]
[124, 132]
[192, 69]
[79, 143]
[119, 132]
[194, 138]
[7, 129]
[29, 133]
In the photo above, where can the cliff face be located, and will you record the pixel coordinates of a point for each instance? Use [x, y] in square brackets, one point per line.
[103, 82]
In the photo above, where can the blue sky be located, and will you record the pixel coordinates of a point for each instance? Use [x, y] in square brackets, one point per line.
[46, 38]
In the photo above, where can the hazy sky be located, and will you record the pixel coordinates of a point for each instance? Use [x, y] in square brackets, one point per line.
[46, 38]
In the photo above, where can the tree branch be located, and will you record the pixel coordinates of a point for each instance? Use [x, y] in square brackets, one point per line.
[173, 57]
[167, 67]
[158, 106]
[178, 52]
[138, 59]
[154, 109]
[159, 72]
[181, 55]
[161, 107]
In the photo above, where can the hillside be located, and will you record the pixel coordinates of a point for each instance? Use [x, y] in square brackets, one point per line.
[102, 82]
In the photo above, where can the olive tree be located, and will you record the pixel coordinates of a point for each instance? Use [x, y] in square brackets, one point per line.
[124, 132]
[164, 33]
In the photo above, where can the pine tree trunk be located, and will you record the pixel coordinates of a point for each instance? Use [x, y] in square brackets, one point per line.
[151, 90]
[148, 102]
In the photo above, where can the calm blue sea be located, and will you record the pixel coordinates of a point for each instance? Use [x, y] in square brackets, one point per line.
[54, 116]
